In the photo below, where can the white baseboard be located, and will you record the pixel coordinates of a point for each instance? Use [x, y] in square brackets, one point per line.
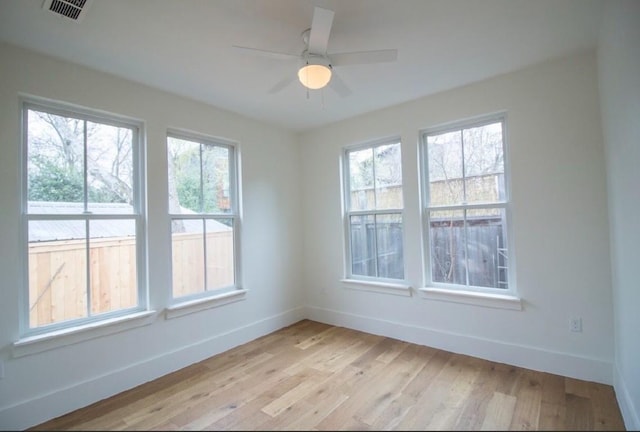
[37, 410]
[584, 368]
[630, 413]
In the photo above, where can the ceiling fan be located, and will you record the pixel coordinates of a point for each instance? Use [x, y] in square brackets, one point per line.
[316, 65]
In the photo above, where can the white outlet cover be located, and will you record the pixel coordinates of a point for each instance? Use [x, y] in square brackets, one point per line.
[576, 325]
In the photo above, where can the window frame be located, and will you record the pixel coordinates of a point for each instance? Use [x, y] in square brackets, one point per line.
[436, 289]
[138, 215]
[175, 303]
[370, 283]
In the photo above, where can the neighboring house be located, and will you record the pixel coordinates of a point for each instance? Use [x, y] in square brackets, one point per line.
[47, 230]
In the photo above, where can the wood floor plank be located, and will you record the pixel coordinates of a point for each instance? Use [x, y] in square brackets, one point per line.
[605, 408]
[475, 408]
[579, 413]
[528, 394]
[313, 376]
[380, 345]
[552, 406]
[430, 402]
[394, 413]
[398, 375]
[499, 412]
[304, 387]
[317, 338]
[452, 405]
[434, 362]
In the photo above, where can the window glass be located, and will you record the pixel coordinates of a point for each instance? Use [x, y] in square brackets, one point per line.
[82, 218]
[466, 208]
[373, 183]
[203, 215]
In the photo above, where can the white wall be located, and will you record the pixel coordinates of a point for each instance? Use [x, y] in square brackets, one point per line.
[560, 226]
[40, 386]
[619, 79]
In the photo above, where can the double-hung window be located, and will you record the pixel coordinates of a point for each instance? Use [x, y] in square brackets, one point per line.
[83, 217]
[466, 206]
[203, 208]
[373, 211]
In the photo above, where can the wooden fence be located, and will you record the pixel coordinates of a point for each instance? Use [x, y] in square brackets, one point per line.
[58, 273]
[188, 262]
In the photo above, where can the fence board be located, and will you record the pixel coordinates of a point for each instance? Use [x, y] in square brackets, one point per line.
[57, 273]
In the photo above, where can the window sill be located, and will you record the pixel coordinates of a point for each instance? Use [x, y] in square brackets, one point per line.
[379, 287]
[68, 336]
[500, 301]
[192, 306]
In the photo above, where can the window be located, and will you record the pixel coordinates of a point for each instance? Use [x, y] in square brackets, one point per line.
[466, 205]
[204, 215]
[373, 216]
[83, 217]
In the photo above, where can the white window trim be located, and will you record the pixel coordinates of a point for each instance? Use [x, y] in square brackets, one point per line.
[495, 297]
[500, 301]
[55, 330]
[203, 300]
[377, 286]
[200, 304]
[368, 283]
[80, 333]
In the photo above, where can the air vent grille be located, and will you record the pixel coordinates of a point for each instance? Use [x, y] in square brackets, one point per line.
[72, 9]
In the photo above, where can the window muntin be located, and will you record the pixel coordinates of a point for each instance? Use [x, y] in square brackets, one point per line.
[466, 206]
[204, 216]
[82, 218]
[374, 203]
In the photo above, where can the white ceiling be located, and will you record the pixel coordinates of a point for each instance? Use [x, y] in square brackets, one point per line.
[185, 47]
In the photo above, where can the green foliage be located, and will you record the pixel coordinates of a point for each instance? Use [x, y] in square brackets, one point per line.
[51, 182]
[191, 193]
[188, 188]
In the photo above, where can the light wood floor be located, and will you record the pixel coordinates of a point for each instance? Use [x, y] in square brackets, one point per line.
[315, 376]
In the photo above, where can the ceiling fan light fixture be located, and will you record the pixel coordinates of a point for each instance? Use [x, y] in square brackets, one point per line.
[315, 73]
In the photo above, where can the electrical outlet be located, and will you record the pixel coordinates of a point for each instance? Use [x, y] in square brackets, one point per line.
[576, 324]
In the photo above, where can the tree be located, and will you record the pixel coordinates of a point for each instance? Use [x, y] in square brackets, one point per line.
[55, 183]
[465, 166]
[58, 146]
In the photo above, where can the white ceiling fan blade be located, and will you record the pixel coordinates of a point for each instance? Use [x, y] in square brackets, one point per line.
[280, 85]
[338, 85]
[265, 53]
[363, 57]
[320, 30]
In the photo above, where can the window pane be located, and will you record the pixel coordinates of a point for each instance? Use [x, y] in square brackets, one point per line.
[187, 252]
[185, 188]
[215, 173]
[444, 155]
[389, 244]
[57, 271]
[487, 248]
[446, 234]
[484, 163]
[55, 163]
[109, 169]
[363, 253]
[219, 253]
[361, 180]
[113, 273]
[388, 176]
